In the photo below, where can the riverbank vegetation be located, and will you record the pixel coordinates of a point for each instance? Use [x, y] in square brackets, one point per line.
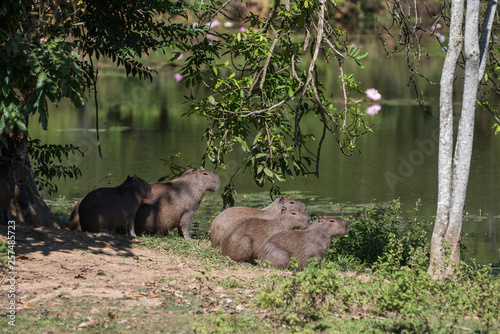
[375, 278]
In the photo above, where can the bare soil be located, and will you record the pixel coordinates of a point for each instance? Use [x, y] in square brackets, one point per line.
[55, 262]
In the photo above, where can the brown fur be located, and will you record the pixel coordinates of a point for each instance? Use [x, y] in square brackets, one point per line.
[246, 237]
[74, 218]
[110, 208]
[173, 203]
[303, 245]
[234, 214]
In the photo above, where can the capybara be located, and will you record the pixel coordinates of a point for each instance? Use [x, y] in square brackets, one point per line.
[172, 204]
[6, 189]
[237, 213]
[111, 208]
[304, 244]
[74, 218]
[246, 237]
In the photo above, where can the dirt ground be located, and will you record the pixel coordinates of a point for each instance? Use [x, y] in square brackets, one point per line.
[51, 262]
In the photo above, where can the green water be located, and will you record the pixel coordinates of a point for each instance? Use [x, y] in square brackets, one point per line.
[141, 123]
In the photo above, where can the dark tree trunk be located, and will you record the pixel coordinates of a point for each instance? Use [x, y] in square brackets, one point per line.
[26, 204]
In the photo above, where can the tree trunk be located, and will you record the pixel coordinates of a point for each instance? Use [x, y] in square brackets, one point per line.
[437, 263]
[463, 150]
[453, 179]
[26, 205]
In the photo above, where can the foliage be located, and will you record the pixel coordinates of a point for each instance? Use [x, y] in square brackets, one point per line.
[176, 169]
[48, 52]
[45, 167]
[303, 295]
[262, 83]
[4, 260]
[408, 298]
[378, 235]
[48, 47]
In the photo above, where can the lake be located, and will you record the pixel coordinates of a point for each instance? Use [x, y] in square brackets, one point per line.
[141, 124]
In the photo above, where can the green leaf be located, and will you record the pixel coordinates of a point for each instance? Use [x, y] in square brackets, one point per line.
[42, 77]
[268, 172]
[211, 100]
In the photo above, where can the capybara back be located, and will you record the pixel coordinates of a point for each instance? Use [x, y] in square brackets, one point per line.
[234, 214]
[172, 204]
[303, 245]
[111, 208]
[247, 237]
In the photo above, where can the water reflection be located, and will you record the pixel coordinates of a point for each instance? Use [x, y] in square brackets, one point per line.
[141, 123]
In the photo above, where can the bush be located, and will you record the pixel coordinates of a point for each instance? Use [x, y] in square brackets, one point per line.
[378, 235]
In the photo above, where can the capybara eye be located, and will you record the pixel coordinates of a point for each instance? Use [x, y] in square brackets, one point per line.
[292, 202]
[205, 173]
[293, 213]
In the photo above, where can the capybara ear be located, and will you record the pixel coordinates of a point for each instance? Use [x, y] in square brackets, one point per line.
[282, 200]
[283, 210]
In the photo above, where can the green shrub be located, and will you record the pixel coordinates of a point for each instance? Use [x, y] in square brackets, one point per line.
[379, 235]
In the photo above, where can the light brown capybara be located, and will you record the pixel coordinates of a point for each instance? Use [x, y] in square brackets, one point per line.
[111, 208]
[6, 189]
[172, 204]
[246, 237]
[74, 218]
[234, 214]
[304, 244]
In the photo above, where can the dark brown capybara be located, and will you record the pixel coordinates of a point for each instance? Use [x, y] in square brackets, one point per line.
[111, 208]
[304, 244]
[6, 189]
[237, 213]
[172, 204]
[246, 237]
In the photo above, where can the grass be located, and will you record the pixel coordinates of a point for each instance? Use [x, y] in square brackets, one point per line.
[327, 299]
[353, 292]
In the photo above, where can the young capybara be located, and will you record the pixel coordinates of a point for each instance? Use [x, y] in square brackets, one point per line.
[234, 214]
[304, 244]
[246, 237]
[172, 204]
[111, 208]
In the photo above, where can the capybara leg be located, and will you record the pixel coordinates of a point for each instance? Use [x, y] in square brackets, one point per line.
[185, 222]
[130, 226]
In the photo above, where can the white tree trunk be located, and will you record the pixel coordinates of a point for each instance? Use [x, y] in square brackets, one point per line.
[453, 179]
[445, 153]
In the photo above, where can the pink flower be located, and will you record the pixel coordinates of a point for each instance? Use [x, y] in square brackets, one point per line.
[436, 26]
[212, 37]
[228, 24]
[442, 39]
[373, 94]
[373, 109]
[180, 56]
[43, 40]
[243, 29]
[214, 24]
[178, 77]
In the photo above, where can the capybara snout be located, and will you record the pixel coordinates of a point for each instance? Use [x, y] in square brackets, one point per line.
[338, 225]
